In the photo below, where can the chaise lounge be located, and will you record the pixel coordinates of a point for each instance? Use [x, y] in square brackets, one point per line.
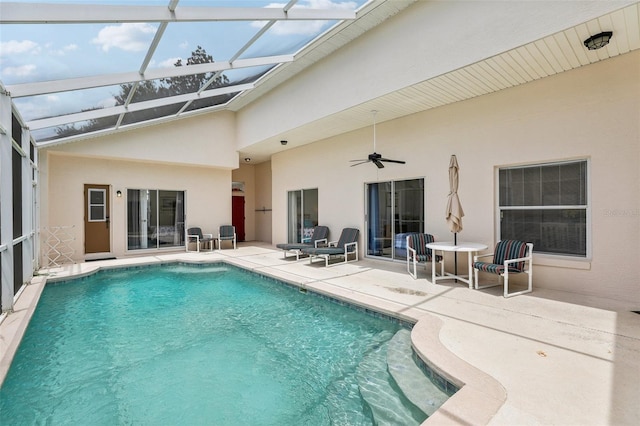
[345, 246]
[318, 239]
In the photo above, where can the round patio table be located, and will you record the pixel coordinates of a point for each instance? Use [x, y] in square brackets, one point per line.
[461, 247]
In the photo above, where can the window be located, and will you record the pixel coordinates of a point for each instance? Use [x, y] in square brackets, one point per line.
[155, 219]
[303, 214]
[546, 204]
[394, 209]
[97, 205]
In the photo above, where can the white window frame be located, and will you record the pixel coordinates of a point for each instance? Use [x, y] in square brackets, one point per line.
[587, 207]
[104, 205]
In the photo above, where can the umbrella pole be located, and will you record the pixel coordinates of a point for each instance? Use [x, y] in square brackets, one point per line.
[455, 255]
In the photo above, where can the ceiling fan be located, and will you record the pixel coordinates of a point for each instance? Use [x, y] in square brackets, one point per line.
[375, 158]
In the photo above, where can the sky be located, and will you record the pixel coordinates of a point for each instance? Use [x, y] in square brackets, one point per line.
[45, 52]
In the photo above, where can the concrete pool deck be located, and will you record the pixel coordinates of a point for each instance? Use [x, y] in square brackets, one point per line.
[543, 358]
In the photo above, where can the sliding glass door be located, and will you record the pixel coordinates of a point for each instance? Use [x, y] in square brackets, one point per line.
[302, 206]
[394, 208]
[155, 219]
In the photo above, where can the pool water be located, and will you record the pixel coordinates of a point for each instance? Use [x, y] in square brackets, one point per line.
[182, 344]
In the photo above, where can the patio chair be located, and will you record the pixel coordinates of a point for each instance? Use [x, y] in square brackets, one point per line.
[510, 257]
[345, 246]
[195, 235]
[417, 252]
[226, 233]
[318, 239]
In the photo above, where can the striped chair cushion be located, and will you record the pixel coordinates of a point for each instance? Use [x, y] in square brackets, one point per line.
[419, 242]
[505, 250]
[493, 268]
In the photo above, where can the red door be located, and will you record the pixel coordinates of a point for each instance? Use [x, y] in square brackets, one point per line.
[237, 216]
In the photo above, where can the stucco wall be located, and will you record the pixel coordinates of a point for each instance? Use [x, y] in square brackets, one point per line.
[257, 194]
[204, 140]
[207, 204]
[592, 112]
[263, 201]
[246, 174]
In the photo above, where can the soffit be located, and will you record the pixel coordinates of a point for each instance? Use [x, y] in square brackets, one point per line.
[554, 54]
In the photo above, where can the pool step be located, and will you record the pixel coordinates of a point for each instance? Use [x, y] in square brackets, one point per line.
[415, 386]
[377, 387]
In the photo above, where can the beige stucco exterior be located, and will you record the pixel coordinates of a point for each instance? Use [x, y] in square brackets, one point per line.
[591, 113]
[194, 155]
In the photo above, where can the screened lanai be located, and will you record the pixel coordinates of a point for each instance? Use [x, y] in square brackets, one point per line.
[72, 70]
[103, 66]
[76, 72]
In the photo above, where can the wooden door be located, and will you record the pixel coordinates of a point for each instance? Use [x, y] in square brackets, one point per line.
[97, 234]
[237, 216]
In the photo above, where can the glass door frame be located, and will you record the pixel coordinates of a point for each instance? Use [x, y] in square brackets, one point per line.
[148, 230]
[302, 216]
[377, 244]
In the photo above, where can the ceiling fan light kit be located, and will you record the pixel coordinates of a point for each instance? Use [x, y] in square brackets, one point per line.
[375, 158]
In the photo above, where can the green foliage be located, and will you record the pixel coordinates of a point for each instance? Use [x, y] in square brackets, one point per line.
[155, 89]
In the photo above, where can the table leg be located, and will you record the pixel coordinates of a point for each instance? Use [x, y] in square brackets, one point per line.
[433, 267]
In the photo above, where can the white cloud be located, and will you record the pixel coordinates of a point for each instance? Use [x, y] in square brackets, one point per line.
[13, 47]
[169, 63]
[304, 27]
[184, 45]
[19, 71]
[297, 27]
[127, 37]
[34, 109]
[66, 49]
[107, 102]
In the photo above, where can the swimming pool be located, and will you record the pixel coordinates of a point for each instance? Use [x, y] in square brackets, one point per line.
[191, 345]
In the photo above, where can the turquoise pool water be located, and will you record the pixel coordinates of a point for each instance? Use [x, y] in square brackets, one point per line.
[183, 344]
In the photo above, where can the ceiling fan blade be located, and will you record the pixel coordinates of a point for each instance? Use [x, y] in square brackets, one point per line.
[361, 162]
[393, 161]
[378, 163]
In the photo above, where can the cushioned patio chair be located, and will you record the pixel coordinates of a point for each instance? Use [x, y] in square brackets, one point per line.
[510, 257]
[318, 239]
[347, 245]
[226, 233]
[417, 252]
[195, 235]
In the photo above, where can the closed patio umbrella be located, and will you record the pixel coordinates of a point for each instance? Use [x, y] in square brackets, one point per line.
[454, 211]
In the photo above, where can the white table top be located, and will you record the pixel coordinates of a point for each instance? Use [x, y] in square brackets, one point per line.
[460, 246]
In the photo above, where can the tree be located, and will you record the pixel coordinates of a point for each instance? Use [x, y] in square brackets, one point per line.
[154, 89]
[192, 83]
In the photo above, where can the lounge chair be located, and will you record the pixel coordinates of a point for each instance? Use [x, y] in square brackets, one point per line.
[345, 246]
[510, 257]
[318, 238]
[417, 251]
[195, 235]
[226, 233]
